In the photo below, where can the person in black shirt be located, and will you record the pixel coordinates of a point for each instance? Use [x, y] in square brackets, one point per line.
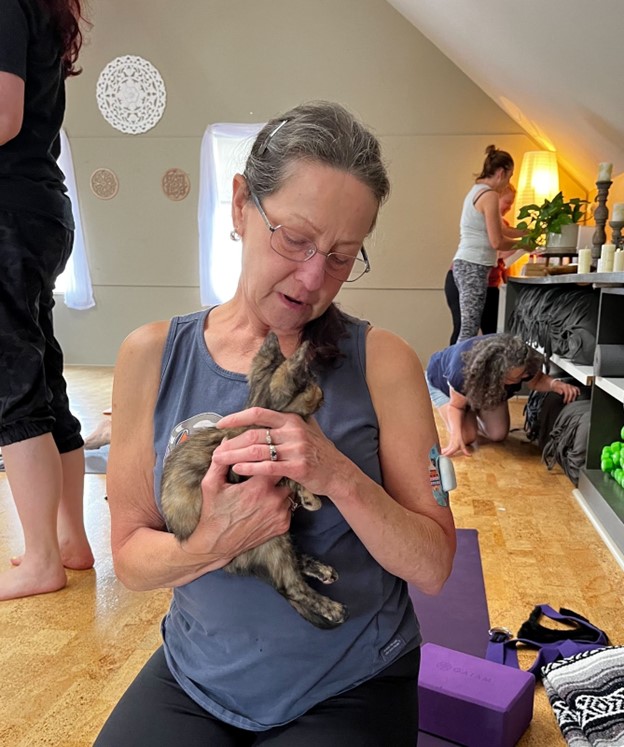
[40, 439]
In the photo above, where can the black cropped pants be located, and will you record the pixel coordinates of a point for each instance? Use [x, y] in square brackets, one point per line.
[33, 394]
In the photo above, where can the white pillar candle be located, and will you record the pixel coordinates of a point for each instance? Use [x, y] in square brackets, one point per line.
[606, 255]
[618, 261]
[584, 261]
[604, 172]
[600, 266]
[618, 212]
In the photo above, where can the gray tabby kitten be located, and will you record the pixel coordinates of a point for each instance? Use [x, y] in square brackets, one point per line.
[285, 385]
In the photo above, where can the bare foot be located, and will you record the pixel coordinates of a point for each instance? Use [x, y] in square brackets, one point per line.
[28, 580]
[100, 436]
[74, 557]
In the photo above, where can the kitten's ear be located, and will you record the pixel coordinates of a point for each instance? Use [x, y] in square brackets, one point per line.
[267, 359]
[271, 350]
[299, 360]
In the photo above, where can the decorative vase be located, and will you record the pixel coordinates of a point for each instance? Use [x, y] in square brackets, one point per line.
[564, 241]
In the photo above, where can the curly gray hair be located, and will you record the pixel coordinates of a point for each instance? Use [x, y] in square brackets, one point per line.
[488, 362]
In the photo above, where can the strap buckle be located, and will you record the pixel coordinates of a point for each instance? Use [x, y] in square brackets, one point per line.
[500, 635]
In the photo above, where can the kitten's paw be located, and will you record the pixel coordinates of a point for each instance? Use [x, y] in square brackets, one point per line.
[329, 614]
[308, 500]
[315, 569]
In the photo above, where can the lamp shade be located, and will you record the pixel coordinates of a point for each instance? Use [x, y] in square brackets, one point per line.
[538, 179]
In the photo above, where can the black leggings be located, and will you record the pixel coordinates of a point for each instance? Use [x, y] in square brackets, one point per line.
[155, 711]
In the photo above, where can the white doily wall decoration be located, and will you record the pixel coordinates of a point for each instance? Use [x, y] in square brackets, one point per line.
[131, 94]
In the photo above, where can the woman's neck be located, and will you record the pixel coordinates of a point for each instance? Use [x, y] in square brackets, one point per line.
[491, 182]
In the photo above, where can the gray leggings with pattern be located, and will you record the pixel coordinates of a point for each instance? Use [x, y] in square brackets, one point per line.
[471, 280]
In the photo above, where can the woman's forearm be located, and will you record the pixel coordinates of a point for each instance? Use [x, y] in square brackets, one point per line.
[152, 559]
[411, 545]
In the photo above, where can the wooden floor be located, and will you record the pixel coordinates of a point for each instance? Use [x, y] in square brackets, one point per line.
[65, 658]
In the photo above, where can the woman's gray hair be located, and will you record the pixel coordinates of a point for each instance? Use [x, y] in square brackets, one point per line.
[487, 363]
[318, 131]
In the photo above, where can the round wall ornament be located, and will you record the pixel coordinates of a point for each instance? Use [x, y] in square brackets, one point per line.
[104, 184]
[131, 94]
[176, 184]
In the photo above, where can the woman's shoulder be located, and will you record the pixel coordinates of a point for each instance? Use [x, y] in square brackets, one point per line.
[383, 346]
[144, 344]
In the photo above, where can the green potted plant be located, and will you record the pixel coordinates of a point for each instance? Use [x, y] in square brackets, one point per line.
[549, 218]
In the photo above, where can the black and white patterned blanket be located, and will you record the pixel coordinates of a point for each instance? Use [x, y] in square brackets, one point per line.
[586, 693]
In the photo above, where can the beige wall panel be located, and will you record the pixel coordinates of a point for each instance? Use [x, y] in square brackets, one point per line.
[93, 337]
[243, 60]
[140, 237]
[421, 318]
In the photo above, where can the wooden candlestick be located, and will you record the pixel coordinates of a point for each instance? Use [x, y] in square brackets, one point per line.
[616, 232]
[601, 213]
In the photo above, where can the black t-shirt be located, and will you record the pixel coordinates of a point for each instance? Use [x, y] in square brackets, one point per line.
[30, 178]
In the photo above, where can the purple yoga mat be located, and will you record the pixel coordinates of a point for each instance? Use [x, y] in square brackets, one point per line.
[458, 616]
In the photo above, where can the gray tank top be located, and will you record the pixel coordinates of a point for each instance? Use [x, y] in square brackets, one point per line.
[474, 242]
[233, 643]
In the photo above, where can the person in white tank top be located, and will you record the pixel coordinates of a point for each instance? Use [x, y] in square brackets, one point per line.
[483, 238]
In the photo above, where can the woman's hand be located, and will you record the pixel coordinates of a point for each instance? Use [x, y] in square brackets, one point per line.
[238, 517]
[455, 445]
[303, 453]
[569, 392]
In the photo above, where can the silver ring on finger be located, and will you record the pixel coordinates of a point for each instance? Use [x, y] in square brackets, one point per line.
[273, 452]
[267, 437]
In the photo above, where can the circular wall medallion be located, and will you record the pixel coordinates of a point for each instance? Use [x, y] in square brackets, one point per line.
[176, 184]
[131, 94]
[104, 184]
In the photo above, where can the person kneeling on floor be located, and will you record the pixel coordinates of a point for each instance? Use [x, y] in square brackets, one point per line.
[470, 383]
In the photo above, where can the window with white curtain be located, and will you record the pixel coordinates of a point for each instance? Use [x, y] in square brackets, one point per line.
[75, 282]
[224, 150]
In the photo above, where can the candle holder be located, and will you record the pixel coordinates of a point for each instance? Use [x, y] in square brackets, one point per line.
[601, 213]
[616, 234]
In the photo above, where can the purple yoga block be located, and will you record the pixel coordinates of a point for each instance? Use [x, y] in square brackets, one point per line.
[473, 701]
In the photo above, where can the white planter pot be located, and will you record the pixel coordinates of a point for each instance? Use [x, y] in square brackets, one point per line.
[564, 241]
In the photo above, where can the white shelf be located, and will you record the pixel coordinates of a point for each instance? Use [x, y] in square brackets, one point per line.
[583, 374]
[599, 525]
[614, 387]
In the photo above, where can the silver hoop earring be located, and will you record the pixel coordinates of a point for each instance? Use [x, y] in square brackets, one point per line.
[234, 235]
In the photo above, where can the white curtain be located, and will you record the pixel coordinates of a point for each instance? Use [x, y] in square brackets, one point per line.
[224, 150]
[76, 279]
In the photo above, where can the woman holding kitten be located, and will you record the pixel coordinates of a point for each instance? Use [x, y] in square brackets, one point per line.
[238, 666]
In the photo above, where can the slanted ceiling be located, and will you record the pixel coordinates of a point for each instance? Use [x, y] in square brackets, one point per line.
[555, 66]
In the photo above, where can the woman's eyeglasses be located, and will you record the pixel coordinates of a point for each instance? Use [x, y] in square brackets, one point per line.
[298, 248]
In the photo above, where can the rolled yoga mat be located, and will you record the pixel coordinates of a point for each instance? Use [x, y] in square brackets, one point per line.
[609, 360]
